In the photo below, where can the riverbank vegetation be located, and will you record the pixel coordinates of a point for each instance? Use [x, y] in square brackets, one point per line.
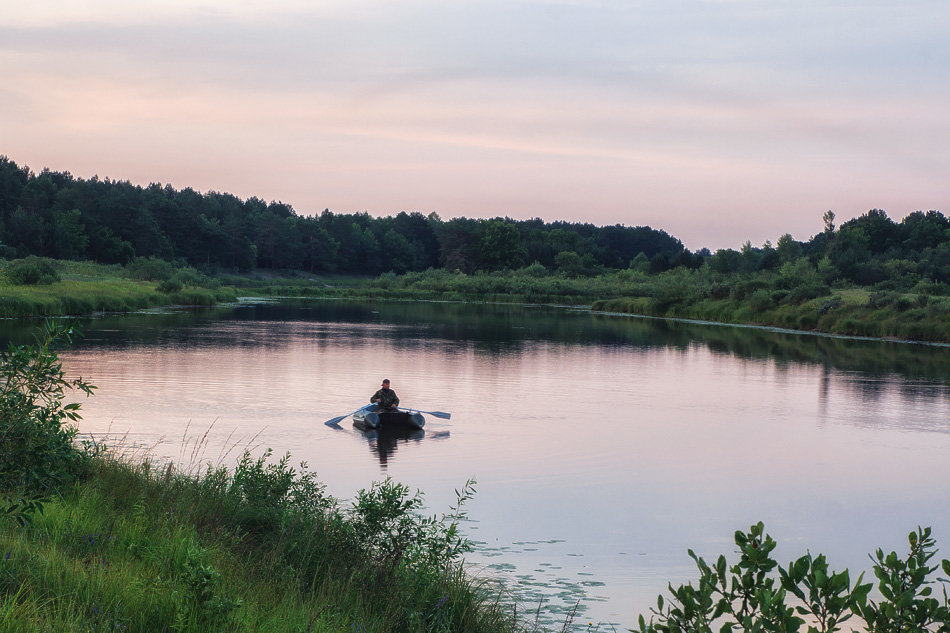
[871, 276]
[95, 542]
[908, 593]
[793, 297]
[38, 286]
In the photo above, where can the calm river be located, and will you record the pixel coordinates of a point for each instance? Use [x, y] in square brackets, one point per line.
[603, 446]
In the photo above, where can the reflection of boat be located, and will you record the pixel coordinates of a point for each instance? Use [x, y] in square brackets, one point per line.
[384, 440]
[370, 417]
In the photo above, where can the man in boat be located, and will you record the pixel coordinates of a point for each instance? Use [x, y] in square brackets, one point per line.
[385, 398]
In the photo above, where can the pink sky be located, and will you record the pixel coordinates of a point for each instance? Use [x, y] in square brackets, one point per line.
[717, 121]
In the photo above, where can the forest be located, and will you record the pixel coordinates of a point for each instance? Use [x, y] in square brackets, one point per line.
[52, 214]
[55, 215]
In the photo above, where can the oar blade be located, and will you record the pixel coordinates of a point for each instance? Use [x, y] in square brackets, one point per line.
[437, 414]
[337, 420]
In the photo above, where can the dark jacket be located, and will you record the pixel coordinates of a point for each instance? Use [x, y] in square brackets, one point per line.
[387, 398]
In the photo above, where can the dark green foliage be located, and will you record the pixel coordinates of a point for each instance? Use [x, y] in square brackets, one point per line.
[31, 271]
[801, 294]
[56, 215]
[173, 284]
[568, 263]
[150, 269]
[761, 300]
[907, 602]
[757, 594]
[37, 453]
[500, 245]
[205, 603]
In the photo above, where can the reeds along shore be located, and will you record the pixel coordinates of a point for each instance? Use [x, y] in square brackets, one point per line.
[258, 548]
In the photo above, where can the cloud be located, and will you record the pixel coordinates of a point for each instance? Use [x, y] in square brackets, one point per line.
[666, 113]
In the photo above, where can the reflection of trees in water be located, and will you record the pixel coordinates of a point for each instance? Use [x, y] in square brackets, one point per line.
[509, 330]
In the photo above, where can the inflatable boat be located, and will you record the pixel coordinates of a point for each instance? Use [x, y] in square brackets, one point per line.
[371, 417]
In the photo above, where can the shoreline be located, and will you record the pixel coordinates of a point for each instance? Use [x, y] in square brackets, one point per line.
[775, 328]
[855, 312]
[239, 299]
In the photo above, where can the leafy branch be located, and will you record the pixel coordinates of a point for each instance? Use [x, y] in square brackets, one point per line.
[806, 595]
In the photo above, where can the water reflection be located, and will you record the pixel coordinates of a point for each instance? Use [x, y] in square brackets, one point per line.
[383, 442]
[604, 446]
[504, 330]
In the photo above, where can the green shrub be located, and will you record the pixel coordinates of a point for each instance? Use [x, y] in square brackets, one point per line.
[192, 277]
[932, 288]
[37, 452]
[150, 269]
[881, 299]
[745, 288]
[32, 271]
[719, 290]
[760, 300]
[902, 304]
[831, 303]
[536, 269]
[801, 294]
[757, 594]
[778, 296]
[171, 285]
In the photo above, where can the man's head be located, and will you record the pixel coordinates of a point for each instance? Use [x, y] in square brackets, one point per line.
[385, 383]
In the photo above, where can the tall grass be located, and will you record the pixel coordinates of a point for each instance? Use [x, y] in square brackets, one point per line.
[93, 542]
[260, 547]
[79, 288]
[68, 297]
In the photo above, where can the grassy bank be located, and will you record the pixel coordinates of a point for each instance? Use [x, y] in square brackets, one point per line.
[797, 296]
[797, 299]
[92, 542]
[261, 548]
[527, 285]
[844, 312]
[79, 288]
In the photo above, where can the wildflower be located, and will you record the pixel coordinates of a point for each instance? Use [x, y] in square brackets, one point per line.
[442, 601]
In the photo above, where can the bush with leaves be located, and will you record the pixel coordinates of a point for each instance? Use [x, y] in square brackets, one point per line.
[807, 595]
[31, 271]
[37, 451]
[389, 527]
[150, 269]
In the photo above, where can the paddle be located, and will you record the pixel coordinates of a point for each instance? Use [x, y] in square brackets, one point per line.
[337, 420]
[438, 414]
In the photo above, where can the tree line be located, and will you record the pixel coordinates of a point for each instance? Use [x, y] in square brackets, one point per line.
[53, 214]
[869, 250]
